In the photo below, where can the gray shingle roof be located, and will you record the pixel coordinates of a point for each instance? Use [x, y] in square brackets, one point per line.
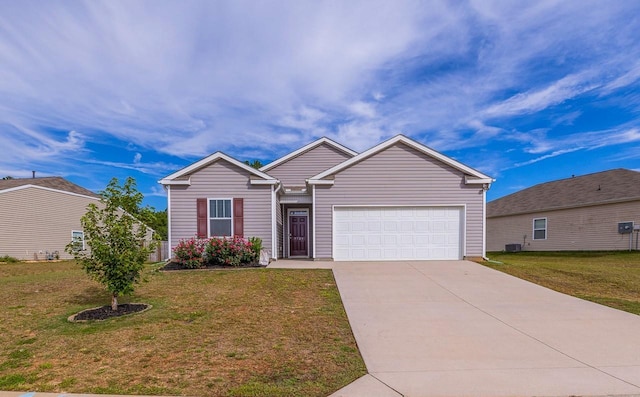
[52, 182]
[600, 188]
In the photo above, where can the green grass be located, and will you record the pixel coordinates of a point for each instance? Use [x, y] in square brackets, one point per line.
[608, 278]
[258, 332]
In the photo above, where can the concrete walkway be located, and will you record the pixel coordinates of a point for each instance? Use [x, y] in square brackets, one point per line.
[456, 328]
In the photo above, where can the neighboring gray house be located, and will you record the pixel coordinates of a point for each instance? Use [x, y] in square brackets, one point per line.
[40, 216]
[399, 200]
[575, 214]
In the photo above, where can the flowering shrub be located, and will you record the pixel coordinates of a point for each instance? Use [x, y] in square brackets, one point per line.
[234, 251]
[195, 253]
[256, 246]
[190, 253]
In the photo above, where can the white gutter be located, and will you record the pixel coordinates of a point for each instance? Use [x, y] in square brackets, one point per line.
[168, 182]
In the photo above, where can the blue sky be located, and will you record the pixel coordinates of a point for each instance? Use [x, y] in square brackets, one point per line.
[525, 92]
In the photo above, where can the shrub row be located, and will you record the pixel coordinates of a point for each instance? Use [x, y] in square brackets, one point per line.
[196, 253]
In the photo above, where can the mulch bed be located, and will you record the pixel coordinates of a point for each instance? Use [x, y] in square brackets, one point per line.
[105, 312]
[176, 266]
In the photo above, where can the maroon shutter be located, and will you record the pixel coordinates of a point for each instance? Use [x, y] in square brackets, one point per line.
[238, 217]
[201, 205]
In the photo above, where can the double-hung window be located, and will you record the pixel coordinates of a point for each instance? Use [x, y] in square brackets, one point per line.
[540, 229]
[220, 218]
[77, 238]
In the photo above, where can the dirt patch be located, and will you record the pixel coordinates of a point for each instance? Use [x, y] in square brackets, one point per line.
[105, 312]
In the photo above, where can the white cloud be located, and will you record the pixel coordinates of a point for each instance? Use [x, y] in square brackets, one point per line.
[363, 109]
[157, 191]
[539, 99]
[626, 79]
[546, 156]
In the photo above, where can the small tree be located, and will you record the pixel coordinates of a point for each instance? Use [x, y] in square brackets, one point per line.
[116, 240]
[257, 164]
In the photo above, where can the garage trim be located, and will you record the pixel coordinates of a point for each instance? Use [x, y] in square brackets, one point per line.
[463, 219]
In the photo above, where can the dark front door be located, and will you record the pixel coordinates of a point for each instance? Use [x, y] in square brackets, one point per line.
[298, 235]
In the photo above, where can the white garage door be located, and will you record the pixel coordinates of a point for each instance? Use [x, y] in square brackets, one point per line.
[397, 233]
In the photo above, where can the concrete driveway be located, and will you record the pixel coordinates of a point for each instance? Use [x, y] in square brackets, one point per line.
[456, 328]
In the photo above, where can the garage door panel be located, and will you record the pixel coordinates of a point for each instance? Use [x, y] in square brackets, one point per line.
[343, 226]
[358, 226]
[390, 240]
[390, 253]
[390, 225]
[407, 225]
[374, 254]
[374, 226]
[407, 241]
[389, 214]
[421, 226]
[398, 233]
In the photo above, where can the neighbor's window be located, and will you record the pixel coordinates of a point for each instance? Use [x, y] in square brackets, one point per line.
[220, 221]
[77, 238]
[540, 229]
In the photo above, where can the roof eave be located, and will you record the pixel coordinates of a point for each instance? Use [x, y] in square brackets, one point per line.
[263, 181]
[320, 181]
[21, 187]
[167, 181]
[478, 181]
[567, 207]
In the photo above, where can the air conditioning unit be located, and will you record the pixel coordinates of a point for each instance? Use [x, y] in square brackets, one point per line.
[513, 247]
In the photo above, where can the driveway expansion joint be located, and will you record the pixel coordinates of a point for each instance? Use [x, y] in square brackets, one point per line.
[386, 384]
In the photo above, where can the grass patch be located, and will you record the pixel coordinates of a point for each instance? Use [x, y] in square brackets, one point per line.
[258, 332]
[608, 278]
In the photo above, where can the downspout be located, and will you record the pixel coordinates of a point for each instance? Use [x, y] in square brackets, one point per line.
[168, 187]
[485, 187]
[274, 222]
[313, 218]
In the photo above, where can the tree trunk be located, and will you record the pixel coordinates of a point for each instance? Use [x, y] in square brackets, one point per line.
[114, 302]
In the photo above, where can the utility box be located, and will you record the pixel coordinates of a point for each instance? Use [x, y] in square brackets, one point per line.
[625, 227]
[513, 247]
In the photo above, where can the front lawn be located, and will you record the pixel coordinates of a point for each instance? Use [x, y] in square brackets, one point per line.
[608, 278]
[258, 332]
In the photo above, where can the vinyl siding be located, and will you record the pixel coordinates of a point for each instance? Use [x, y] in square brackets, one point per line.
[295, 171]
[221, 179]
[34, 221]
[400, 175]
[577, 229]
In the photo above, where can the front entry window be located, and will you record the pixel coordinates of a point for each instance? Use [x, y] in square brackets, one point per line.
[220, 218]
